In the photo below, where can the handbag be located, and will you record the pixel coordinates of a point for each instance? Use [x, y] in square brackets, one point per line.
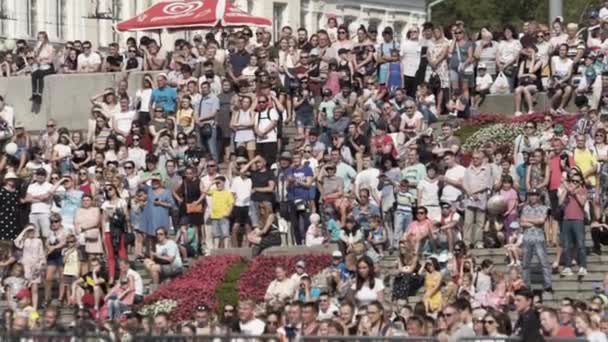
[435, 81]
[206, 130]
[192, 208]
[466, 70]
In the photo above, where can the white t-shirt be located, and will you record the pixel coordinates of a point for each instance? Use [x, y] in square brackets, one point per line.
[264, 120]
[255, 327]
[63, 151]
[124, 120]
[33, 166]
[366, 294]
[508, 50]
[410, 57]
[241, 188]
[450, 193]
[91, 61]
[36, 189]
[484, 82]
[561, 67]
[110, 207]
[412, 121]
[137, 281]
[169, 248]
[368, 179]
[144, 96]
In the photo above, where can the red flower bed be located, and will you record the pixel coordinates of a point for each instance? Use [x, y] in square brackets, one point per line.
[254, 281]
[196, 286]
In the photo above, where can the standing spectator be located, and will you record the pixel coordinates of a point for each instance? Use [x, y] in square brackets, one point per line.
[461, 63]
[476, 183]
[222, 202]
[532, 220]
[206, 120]
[572, 197]
[33, 259]
[9, 202]
[411, 52]
[385, 57]
[39, 195]
[485, 52]
[266, 120]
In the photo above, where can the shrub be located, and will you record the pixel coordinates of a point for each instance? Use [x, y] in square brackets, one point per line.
[196, 286]
[255, 280]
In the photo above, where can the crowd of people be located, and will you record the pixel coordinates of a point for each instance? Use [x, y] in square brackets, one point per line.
[199, 158]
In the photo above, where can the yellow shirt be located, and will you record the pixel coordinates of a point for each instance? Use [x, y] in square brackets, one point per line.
[221, 203]
[586, 161]
[185, 117]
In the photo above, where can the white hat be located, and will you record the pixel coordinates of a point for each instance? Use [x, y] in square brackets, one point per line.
[10, 175]
[481, 66]
[336, 254]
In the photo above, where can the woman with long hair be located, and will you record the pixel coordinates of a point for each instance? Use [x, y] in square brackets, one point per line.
[507, 54]
[493, 325]
[189, 195]
[44, 56]
[142, 99]
[268, 234]
[528, 80]
[107, 101]
[367, 287]
[462, 62]
[537, 173]
[87, 225]
[343, 40]
[588, 327]
[114, 221]
[560, 89]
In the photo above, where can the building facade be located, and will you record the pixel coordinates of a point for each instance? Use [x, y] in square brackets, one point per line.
[94, 19]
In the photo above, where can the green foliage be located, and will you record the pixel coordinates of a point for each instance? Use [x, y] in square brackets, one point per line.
[500, 134]
[227, 292]
[494, 14]
[467, 131]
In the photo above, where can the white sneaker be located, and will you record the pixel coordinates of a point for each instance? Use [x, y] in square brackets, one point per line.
[582, 272]
[567, 272]
[512, 263]
[517, 263]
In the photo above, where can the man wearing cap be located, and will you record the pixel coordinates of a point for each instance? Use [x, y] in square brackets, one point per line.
[384, 54]
[164, 96]
[532, 220]
[39, 195]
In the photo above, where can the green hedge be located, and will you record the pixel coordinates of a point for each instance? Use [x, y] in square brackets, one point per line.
[227, 292]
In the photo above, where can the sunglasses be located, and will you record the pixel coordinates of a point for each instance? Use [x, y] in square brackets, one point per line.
[55, 221]
[448, 314]
[595, 310]
[135, 139]
[275, 323]
[420, 213]
[98, 171]
[128, 167]
[262, 102]
[532, 127]
[489, 322]
[134, 51]
[211, 165]
[82, 174]
[50, 125]
[458, 32]
[341, 32]
[307, 151]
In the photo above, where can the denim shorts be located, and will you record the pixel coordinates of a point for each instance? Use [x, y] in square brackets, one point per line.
[220, 228]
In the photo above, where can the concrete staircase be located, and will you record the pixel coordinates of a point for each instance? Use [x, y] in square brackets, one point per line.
[572, 287]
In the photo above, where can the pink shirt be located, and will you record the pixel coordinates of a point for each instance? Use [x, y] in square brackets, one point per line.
[418, 229]
[573, 210]
[511, 197]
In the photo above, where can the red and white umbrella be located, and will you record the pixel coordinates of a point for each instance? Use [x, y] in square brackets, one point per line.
[191, 14]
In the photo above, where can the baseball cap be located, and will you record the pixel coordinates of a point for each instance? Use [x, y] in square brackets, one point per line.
[336, 254]
[241, 159]
[387, 30]
[534, 191]
[481, 66]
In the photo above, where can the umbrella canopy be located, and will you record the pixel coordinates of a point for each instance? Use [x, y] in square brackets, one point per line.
[191, 14]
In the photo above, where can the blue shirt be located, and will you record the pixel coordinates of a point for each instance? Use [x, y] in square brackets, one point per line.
[295, 192]
[166, 98]
[363, 218]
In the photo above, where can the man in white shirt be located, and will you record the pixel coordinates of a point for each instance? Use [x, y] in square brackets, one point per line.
[121, 121]
[39, 195]
[452, 178]
[134, 278]
[604, 12]
[327, 309]
[248, 324]
[88, 61]
[368, 179]
[265, 127]
[241, 188]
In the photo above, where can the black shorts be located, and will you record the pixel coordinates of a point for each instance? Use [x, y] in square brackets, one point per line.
[240, 215]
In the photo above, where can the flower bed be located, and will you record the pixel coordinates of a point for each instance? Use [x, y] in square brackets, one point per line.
[197, 286]
[261, 272]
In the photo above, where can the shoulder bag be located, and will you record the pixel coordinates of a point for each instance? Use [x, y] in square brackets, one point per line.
[194, 207]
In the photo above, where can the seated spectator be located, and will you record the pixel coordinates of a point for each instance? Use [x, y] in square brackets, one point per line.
[280, 289]
[165, 262]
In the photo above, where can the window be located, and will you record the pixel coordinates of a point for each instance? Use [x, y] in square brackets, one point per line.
[60, 22]
[32, 13]
[278, 18]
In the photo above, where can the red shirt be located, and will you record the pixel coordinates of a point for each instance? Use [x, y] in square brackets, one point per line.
[565, 331]
[384, 145]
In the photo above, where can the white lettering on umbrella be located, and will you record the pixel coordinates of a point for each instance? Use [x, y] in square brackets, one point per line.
[179, 9]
